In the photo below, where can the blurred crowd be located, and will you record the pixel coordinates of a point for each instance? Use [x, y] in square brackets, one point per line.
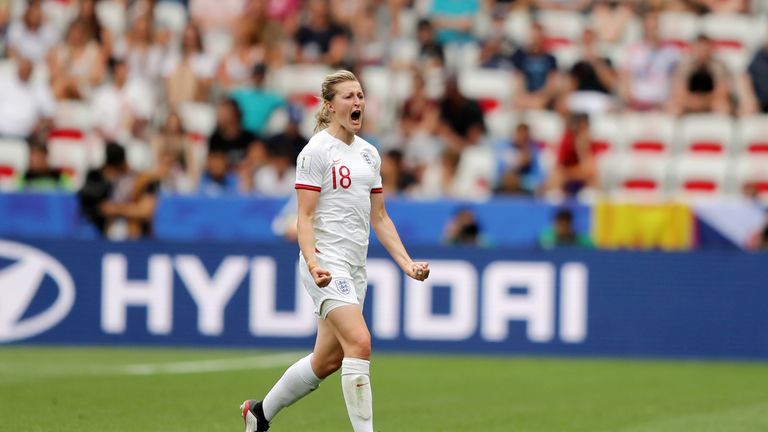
[137, 63]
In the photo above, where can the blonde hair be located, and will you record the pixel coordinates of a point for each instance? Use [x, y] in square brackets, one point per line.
[328, 91]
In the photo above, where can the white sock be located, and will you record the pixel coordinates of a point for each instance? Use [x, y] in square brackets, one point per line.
[297, 381]
[356, 386]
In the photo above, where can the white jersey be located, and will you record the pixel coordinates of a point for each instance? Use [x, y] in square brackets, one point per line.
[345, 175]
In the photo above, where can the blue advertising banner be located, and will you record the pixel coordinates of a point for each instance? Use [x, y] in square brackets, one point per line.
[566, 302]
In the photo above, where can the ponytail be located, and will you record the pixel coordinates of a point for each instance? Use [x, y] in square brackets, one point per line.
[322, 118]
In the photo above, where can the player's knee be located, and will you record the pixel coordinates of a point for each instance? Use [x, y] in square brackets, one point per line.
[360, 345]
[329, 364]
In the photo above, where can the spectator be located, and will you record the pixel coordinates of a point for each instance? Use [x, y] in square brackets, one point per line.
[536, 73]
[30, 37]
[320, 39]
[122, 107]
[575, 168]
[26, 107]
[497, 49]
[257, 102]
[216, 15]
[457, 114]
[454, 19]
[757, 75]
[463, 229]
[475, 174]
[139, 48]
[105, 194]
[366, 46]
[431, 53]
[172, 138]
[229, 136]
[563, 233]
[612, 18]
[437, 179]
[278, 177]
[702, 82]
[39, 175]
[94, 31]
[290, 138]
[77, 65]
[248, 51]
[188, 73]
[646, 75]
[591, 81]
[396, 179]
[217, 178]
[518, 165]
[568, 5]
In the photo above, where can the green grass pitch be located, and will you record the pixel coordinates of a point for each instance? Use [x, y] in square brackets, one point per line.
[125, 389]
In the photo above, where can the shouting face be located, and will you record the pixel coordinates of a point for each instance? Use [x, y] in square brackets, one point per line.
[348, 105]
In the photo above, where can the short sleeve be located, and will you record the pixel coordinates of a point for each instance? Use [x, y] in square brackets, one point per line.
[309, 169]
[377, 186]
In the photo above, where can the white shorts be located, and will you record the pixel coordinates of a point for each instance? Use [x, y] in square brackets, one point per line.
[348, 285]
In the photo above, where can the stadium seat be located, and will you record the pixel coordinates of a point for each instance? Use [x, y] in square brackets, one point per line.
[734, 32]
[642, 178]
[752, 135]
[384, 84]
[139, 155]
[111, 14]
[561, 28]
[546, 127]
[606, 131]
[300, 82]
[750, 176]
[517, 26]
[14, 158]
[74, 116]
[705, 134]
[679, 28]
[462, 57]
[73, 156]
[649, 133]
[491, 88]
[501, 123]
[198, 118]
[171, 15]
[694, 178]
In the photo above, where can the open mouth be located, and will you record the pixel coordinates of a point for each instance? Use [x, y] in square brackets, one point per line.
[356, 115]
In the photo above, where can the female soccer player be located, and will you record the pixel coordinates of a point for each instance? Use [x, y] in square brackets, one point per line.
[339, 194]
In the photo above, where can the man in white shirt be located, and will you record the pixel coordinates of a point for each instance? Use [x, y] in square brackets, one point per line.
[25, 106]
[122, 106]
[30, 37]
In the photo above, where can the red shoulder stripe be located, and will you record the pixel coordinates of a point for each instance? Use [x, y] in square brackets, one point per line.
[307, 187]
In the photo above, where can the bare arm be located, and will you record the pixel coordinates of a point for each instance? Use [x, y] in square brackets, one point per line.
[387, 234]
[306, 235]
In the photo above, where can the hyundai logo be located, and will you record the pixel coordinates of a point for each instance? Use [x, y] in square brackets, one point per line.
[20, 282]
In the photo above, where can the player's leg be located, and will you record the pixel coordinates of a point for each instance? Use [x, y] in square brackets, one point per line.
[352, 333]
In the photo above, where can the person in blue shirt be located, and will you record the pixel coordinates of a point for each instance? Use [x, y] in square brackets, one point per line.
[256, 102]
[218, 179]
[536, 73]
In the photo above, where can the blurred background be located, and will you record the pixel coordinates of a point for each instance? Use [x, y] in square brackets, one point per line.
[586, 177]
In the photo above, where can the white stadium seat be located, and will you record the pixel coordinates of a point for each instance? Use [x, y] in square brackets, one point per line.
[705, 134]
[679, 28]
[734, 31]
[561, 28]
[72, 156]
[640, 178]
[649, 133]
[517, 26]
[751, 172]
[752, 135]
[491, 88]
[607, 133]
[695, 178]
[74, 115]
[14, 158]
[198, 118]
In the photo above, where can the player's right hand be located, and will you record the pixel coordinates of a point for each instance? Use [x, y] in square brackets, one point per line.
[321, 276]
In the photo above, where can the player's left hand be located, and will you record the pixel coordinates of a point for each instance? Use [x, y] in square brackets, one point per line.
[418, 270]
